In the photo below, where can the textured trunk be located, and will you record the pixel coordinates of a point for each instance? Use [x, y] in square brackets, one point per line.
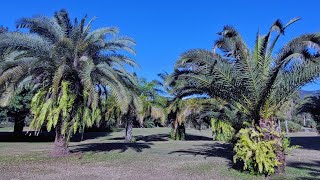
[280, 169]
[60, 148]
[175, 129]
[268, 136]
[129, 124]
[179, 131]
[182, 132]
[18, 125]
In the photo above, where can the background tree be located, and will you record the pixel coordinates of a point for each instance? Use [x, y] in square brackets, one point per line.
[258, 82]
[67, 60]
[225, 119]
[154, 105]
[19, 108]
[311, 104]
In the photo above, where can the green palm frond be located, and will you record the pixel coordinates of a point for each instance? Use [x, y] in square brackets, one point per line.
[22, 41]
[67, 62]
[43, 26]
[258, 81]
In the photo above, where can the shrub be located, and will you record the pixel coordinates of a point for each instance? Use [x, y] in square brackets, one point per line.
[311, 123]
[287, 147]
[222, 130]
[292, 126]
[258, 156]
[148, 123]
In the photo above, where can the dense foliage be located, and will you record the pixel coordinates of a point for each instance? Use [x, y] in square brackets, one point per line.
[292, 126]
[257, 154]
[222, 130]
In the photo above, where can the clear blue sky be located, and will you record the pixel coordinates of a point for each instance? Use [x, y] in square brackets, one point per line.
[164, 29]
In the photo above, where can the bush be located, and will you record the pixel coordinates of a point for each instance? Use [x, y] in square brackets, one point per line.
[292, 126]
[148, 123]
[298, 120]
[287, 147]
[222, 130]
[311, 123]
[257, 155]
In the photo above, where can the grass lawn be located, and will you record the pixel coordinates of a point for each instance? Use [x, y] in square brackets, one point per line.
[153, 156]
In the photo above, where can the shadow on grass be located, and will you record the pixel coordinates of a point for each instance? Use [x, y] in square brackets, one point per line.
[308, 142]
[313, 168]
[103, 147]
[46, 136]
[208, 150]
[165, 137]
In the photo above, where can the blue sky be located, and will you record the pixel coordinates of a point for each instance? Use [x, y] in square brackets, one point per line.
[164, 29]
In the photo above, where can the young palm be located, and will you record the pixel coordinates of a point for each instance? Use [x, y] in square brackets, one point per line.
[258, 82]
[67, 60]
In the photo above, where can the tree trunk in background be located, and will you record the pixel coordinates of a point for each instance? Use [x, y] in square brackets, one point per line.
[18, 125]
[268, 136]
[287, 129]
[182, 132]
[60, 148]
[179, 131]
[175, 130]
[129, 124]
[279, 125]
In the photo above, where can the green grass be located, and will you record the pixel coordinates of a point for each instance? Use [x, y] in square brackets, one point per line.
[189, 157]
[6, 129]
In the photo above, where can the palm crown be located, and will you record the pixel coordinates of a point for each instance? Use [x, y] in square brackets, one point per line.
[259, 81]
[67, 60]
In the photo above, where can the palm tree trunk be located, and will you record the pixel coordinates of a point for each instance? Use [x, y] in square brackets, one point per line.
[129, 126]
[60, 148]
[175, 129]
[18, 125]
[182, 131]
[268, 136]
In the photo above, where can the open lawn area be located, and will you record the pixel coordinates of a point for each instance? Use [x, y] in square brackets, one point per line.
[153, 156]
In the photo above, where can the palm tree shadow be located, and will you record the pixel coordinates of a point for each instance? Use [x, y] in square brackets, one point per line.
[313, 168]
[32, 136]
[105, 147]
[165, 137]
[307, 142]
[216, 149]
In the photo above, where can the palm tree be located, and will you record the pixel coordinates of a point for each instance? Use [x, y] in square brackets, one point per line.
[153, 104]
[67, 60]
[311, 104]
[226, 120]
[134, 108]
[177, 109]
[258, 82]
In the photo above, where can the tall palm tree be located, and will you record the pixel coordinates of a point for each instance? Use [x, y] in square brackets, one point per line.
[257, 81]
[67, 60]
